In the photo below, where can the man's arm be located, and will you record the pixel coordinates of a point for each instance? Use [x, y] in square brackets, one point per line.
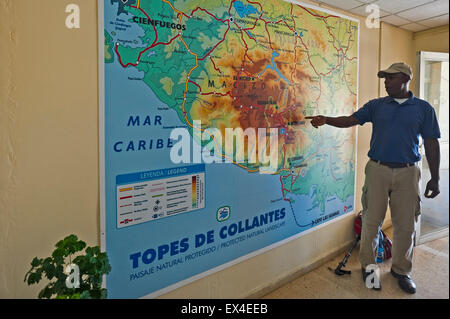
[341, 121]
[433, 154]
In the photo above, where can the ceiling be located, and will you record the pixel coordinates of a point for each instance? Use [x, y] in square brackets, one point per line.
[412, 15]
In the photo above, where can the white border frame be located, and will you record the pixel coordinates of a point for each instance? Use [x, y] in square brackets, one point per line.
[101, 124]
[421, 58]
[101, 118]
[101, 78]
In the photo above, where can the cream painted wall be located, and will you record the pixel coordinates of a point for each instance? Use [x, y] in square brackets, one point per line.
[434, 40]
[49, 134]
[49, 151]
[396, 46]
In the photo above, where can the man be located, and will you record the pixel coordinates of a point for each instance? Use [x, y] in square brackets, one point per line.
[392, 175]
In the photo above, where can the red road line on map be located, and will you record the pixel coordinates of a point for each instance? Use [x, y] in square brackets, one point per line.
[140, 53]
[216, 44]
[217, 19]
[209, 13]
[216, 93]
[282, 188]
[216, 68]
[154, 28]
[316, 15]
[163, 43]
[196, 85]
[256, 21]
[231, 5]
[148, 48]
[309, 58]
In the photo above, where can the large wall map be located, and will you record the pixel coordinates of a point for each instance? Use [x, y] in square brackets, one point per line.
[207, 158]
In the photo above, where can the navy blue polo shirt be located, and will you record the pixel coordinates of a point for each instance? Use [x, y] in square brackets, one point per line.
[396, 127]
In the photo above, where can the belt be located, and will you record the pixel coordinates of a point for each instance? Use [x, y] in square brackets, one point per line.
[394, 165]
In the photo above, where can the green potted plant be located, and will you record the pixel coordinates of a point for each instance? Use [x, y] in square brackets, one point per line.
[92, 265]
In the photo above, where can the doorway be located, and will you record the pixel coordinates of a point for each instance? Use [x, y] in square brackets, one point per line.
[433, 84]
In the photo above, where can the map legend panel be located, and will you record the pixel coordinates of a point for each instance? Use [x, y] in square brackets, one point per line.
[151, 195]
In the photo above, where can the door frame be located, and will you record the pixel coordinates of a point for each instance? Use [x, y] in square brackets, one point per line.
[421, 57]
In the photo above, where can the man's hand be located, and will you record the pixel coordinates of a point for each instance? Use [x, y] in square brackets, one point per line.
[433, 154]
[317, 121]
[433, 187]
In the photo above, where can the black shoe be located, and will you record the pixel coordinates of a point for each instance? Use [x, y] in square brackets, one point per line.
[364, 276]
[405, 282]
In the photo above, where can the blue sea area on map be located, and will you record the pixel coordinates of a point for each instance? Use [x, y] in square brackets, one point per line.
[121, 28]
[305, 216]
[244, 10]
[122, 4]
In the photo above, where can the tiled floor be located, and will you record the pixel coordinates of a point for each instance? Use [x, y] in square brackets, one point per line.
[430, 273]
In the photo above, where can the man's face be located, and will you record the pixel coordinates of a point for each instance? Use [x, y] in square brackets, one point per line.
[396, 83]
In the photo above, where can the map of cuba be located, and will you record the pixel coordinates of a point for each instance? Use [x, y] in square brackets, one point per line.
[252, 64]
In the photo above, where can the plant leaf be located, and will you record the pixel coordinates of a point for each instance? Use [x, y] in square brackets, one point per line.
[34, 278]
[93, 264]
[85, 295]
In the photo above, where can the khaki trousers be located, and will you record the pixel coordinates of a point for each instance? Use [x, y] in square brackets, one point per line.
[400, 188]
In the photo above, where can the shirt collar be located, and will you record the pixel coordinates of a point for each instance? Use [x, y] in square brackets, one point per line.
[410, 98]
